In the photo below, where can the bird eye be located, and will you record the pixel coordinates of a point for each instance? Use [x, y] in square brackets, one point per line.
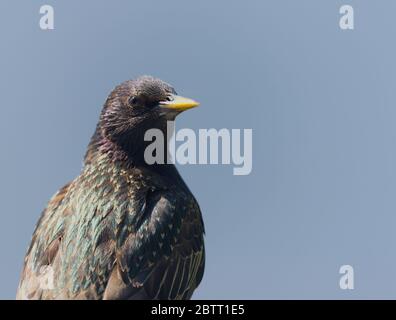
[133, 101]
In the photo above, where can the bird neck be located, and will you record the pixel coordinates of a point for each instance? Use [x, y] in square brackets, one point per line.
[128, 152]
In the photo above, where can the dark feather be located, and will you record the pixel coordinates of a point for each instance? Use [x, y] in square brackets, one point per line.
[121, 229]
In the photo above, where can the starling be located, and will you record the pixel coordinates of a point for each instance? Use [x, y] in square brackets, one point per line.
[123, 229]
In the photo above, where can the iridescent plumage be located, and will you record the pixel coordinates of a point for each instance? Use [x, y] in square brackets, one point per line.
[122, 229]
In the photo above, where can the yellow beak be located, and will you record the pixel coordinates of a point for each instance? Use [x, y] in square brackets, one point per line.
[178, 103]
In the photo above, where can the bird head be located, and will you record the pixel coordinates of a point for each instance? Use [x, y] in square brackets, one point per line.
[137, 105]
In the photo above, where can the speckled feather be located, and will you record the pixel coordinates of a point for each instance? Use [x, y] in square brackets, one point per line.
[120, 230]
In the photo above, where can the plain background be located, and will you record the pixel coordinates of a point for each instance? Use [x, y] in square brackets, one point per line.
[321, 102]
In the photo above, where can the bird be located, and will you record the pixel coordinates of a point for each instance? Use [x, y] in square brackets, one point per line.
[123, 229]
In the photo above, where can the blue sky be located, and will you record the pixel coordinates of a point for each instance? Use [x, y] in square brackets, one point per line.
[320, 101]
